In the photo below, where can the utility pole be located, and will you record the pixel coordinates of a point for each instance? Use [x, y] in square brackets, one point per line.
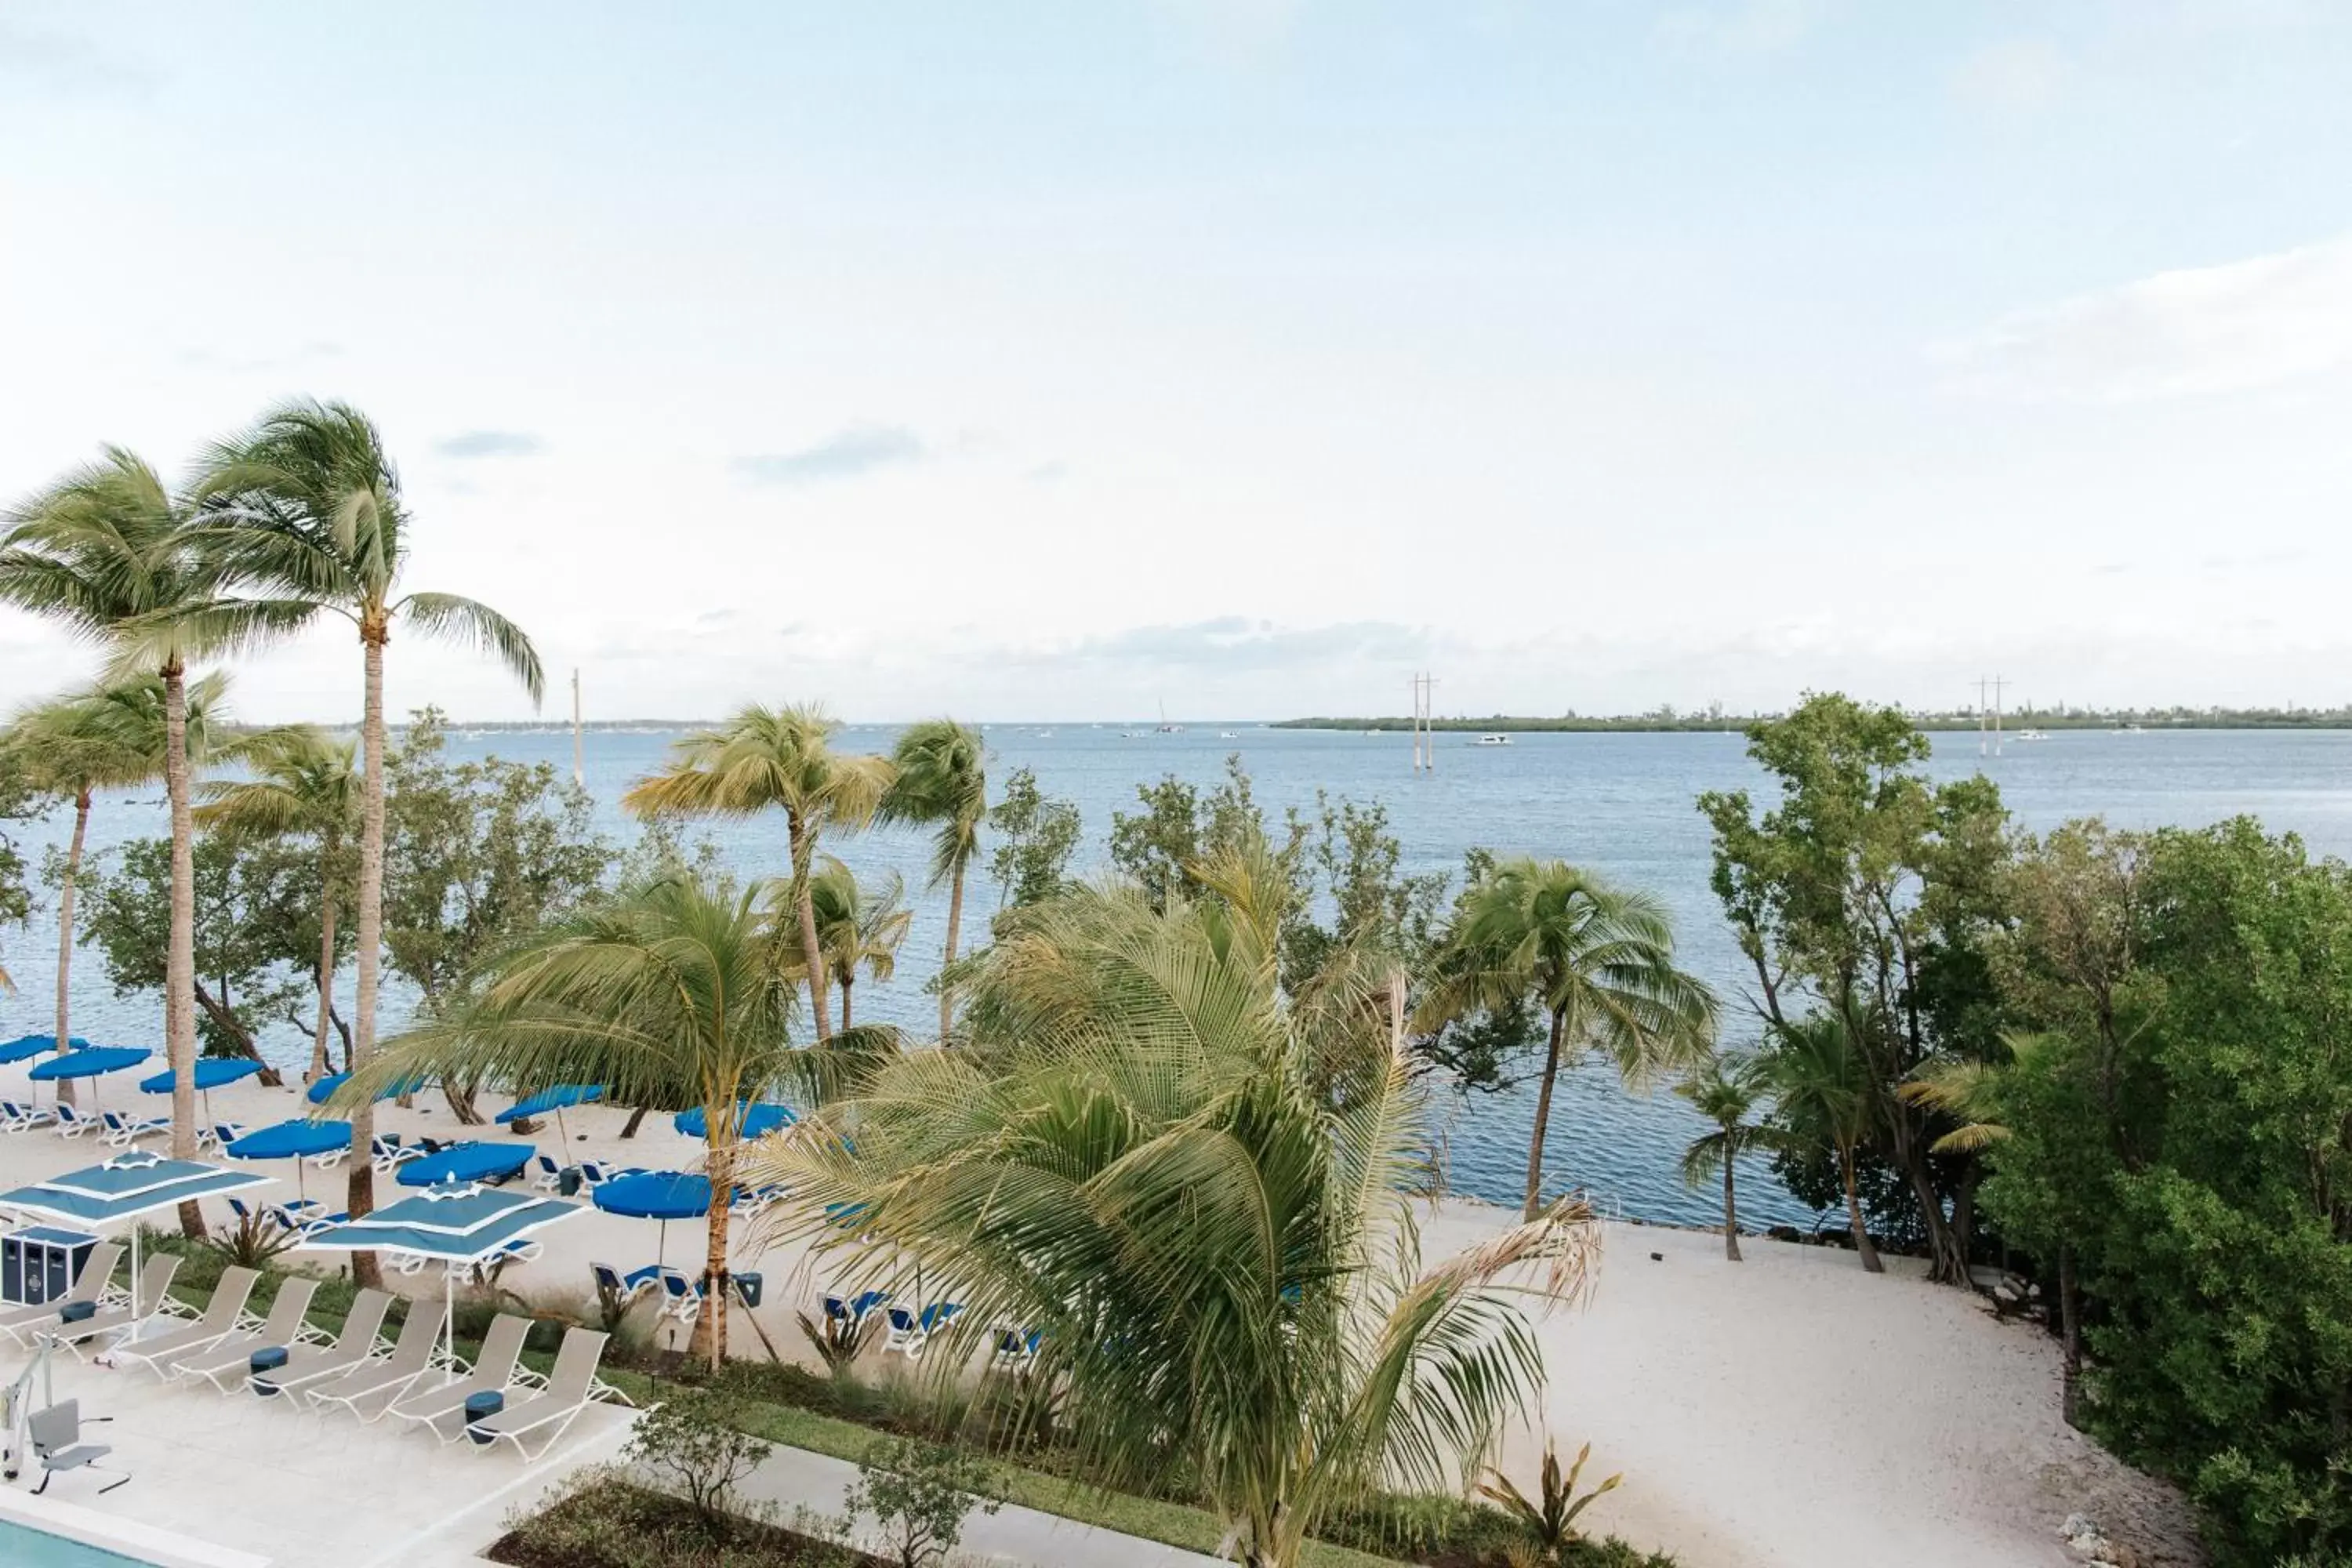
[1425, 737]
[1997, 684]
[1981, 744]
[579, 757]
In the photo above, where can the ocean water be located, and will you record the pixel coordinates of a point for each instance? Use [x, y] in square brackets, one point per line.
[1622, 804]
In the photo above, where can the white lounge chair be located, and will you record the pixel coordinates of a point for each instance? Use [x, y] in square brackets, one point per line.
[122, 1132]
[227, 1361]
[570, 1387]
[71, 1124]
[155, 1283]
[494, 1369]
[20, 1323]
[353, 1349]
[390, 1377]
[218, 1322]
[15, 1118]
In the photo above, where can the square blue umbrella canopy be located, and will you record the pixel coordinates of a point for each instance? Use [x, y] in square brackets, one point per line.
[129, 1185]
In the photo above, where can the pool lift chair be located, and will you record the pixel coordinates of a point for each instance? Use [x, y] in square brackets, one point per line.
[52, 1433]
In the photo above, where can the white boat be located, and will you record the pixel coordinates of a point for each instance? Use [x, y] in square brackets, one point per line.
[2033, 734]
[1227, 735]
[1492, 740]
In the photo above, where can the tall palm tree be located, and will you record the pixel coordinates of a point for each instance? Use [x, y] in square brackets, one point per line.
[307, 505]
[943, 784]
[110, 552]
[1822, 1084]
[857, 925]
[109, 737]
[1600, 960]
[1202, 1193]
[303, 782]
[1725, 1090]
[773, 759]
[673, 991]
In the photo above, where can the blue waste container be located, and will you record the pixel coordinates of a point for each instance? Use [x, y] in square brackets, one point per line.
[269, 1358]
[481, 1407]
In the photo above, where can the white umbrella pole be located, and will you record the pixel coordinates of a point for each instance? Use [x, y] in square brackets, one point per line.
[135, 1275]
[450, 1317]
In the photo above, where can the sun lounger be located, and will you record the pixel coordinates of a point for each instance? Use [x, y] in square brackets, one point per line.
[681, 1298]
[154, 1280]
[388, 1378]
[544, 1416]
[353, 1348]
[19, 1323]
[122, 1132]
[226, 1363]
[494, 1369]
[72, 1123]
[218, 1322]
[624, 1287]
[15, 1118]
[220, 1133]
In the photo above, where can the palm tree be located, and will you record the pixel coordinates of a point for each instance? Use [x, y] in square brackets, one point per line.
[856, 925]
[1724, 1090]
[1202, 1193]
[943, 783]
[303, 782]
[674, 991]
[110, 737]
[1822, 1084]
[782, 758]
[307, 504]
[110, 552]
[1601, 962]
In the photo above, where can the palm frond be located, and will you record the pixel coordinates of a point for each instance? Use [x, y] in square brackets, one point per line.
[469, 620]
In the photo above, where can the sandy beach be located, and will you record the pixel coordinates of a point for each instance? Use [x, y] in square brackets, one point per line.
[1786, 1412]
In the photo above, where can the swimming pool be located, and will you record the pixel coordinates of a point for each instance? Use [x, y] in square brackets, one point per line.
[22, 1546]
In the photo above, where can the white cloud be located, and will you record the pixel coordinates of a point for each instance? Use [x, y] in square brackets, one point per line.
[2014, 77]
[2194, 332]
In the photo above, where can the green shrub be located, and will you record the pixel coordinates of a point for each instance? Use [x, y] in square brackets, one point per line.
[919, 1496]
[697, 1442]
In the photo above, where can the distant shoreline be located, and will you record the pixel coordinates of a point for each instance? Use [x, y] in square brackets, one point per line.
[1707, 723]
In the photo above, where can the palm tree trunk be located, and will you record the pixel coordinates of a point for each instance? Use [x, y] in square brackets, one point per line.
[709, 1338]
[360, 1193]
[1543, 1116]
[319, 1061]
[812, 952]
[1731, 1214]
[66, 935]
[955, 929]
[844, 1001]
[180, 953]
[1862, 1242]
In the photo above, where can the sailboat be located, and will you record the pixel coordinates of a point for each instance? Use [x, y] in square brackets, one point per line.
[1165, 727]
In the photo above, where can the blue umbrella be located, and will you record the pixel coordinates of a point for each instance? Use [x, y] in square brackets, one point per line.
[553, 1099]
[24, 1046]
[327, 1086]
[755, 1119]
[468, 1163]
[93, 1061]
[210, 1074]
[129, 1185]
[294, 1140]
[460, 1224]
[664, 1195]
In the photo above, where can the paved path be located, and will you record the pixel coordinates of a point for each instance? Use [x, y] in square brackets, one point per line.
[1013, 1535]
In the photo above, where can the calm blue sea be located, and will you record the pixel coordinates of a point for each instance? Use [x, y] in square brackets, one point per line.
[1622, 804]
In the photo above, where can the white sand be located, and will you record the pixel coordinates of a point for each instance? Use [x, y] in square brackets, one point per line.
[1788, 1411]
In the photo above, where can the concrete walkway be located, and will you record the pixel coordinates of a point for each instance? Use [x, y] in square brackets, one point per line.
[792, 1477]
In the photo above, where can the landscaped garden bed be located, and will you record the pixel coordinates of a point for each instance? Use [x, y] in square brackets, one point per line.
[608, 1523]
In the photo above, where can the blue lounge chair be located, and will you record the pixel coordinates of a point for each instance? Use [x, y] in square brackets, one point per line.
[72, 1123]
[1016, 1350]
[550, 1174]
[681, 1296]
[625, 1287]
[122, 1132]
[15, 1118]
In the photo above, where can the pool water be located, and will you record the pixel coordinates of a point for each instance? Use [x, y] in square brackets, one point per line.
[22, 1547]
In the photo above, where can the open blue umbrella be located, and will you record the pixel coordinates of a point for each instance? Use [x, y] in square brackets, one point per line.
[91, 1062]
[755, 1119]
[475, 1162]
[320, 1091]
[664, 1195]
[24, 1046]
[552, 1100]
[459, 1223]
[129, 1185]
[211, 1073]
[294, 1140]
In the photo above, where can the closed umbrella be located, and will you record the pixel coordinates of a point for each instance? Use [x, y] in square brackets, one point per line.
[553, 1099]
[212, 1073]
[92, 1062]
[294, 1140]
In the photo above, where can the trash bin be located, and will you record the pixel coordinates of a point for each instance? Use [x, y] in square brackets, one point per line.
[77, 1311]
[750, 1285]
[481, 1407]
[567, 1181]
[269, 1358]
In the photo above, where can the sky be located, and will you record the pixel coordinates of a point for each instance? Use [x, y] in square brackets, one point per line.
[1241, 357]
